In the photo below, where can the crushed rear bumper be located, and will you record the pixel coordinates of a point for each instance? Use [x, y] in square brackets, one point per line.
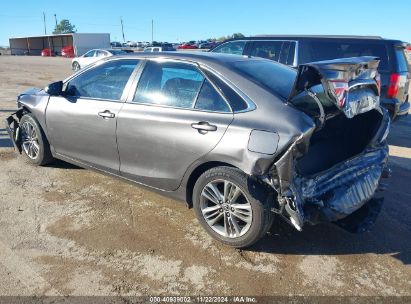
[347, 194]
[342, 190]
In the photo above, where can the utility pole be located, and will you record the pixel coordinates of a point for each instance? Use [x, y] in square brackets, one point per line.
[152, 31]
[44, 21]
[122, 28]
[55, 18]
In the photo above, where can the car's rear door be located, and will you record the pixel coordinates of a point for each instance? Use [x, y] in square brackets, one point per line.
[82, 124]
[175, 117]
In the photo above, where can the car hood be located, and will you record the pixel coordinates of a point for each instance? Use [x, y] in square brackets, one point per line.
[33, 91]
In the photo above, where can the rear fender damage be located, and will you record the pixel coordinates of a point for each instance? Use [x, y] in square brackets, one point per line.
[346, 194]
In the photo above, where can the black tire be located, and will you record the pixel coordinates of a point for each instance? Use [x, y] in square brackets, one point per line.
[259, 196]
[75, 66]
[44, 155]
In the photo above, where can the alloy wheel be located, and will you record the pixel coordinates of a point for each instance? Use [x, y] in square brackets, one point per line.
[76, 66]
[30, 141]
[226, 209]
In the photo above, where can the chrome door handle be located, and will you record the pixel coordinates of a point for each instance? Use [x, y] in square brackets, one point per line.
[107, 114]
[203, 127]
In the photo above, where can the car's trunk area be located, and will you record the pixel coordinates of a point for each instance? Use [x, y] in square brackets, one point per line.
[341, 138]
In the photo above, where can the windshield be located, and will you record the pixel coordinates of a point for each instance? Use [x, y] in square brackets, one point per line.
[273, 76]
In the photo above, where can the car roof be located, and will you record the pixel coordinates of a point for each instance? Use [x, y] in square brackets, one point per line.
[317, 37]
[199, 57]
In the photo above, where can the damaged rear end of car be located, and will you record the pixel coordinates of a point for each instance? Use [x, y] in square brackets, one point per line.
[333, 172]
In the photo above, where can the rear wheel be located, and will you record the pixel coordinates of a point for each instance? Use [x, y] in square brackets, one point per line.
[34, 143]
[232, 207]
[75, 66]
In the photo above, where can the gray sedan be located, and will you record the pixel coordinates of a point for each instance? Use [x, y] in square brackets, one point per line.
[238, 139]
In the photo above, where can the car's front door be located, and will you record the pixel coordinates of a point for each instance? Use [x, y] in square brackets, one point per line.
[175, 117]
[82, 123]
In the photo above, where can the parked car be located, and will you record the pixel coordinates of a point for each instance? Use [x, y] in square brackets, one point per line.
[240, 139]
[158, 49]
[115, 44]
[208, 45]
[131, 43]
[186, 46]
[67, 51]
[295, 50]
[47, 52]
[93, 56]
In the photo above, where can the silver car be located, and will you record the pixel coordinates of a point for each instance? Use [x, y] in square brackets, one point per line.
[239, 139]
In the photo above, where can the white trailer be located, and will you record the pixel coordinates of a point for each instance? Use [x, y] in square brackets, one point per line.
[81, 42]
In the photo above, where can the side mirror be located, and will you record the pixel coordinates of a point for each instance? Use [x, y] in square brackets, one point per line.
[55, 88]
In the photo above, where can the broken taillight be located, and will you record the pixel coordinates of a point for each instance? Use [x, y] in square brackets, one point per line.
[394, 85]
[340, 88]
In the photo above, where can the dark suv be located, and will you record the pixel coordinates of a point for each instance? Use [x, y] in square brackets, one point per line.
[295, 50]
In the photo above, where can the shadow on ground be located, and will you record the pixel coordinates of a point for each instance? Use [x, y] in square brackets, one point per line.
[5, 141]
[59, 164]
[391, 234]
[400, 132]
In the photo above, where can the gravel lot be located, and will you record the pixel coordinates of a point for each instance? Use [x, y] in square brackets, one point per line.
[70, 231]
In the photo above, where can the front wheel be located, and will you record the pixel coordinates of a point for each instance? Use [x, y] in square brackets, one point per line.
[75, 66]
[232, 207]
[34, 143]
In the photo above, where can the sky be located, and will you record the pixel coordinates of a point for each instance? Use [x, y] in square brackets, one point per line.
[183, 20]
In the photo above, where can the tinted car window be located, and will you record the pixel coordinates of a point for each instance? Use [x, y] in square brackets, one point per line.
[324, 50]
[170, 84]
[401, 60]
[235, 101]
[281, 51]
[275, 77]
[267, 49]
[287, 53]
[233, 47]
[208, 99]
[106, 81]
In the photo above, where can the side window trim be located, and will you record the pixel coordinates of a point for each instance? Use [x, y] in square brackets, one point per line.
[126, 87]
[198, 93]
[216, 90]
[250, 104]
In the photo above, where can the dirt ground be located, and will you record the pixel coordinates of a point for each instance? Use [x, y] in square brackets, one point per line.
[70, 231]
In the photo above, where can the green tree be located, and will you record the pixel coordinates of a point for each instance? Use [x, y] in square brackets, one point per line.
[233, 36]
[64, 27]
[237, 35]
